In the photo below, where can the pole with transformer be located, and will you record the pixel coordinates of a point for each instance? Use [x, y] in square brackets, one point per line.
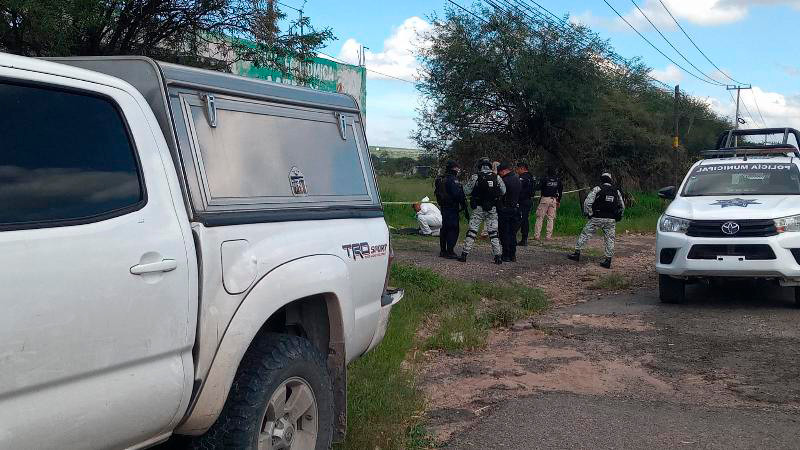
[738, 88]
[675, 138]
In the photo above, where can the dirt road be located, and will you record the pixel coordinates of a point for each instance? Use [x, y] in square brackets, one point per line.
[605, 369]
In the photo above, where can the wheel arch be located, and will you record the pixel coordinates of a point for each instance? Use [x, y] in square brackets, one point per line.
[308, 297]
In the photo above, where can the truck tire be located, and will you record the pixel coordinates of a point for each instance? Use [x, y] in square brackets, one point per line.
[797, 296]
[281, 398]
[671, 290]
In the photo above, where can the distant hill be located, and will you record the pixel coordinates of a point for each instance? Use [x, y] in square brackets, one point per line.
[395, 152]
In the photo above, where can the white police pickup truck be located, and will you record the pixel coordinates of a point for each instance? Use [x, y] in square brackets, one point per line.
[736, 214]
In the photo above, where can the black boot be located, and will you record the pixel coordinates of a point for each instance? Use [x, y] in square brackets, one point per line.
[463, 257]
[451, 255]
[498, 260]
[442, 254]
[606, 263]
[575, 256]
[523, 243]
[514, 258]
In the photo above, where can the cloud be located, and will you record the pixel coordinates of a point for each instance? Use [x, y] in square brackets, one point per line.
[790, 70]
[670, 75]
[398, 56]
[698, 12]
[778, 110]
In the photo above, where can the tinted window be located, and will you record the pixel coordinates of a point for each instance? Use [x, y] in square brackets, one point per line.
[63, 156]
[744, 178]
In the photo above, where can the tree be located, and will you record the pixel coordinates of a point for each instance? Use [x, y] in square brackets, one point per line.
[206, 33]
[511, 87]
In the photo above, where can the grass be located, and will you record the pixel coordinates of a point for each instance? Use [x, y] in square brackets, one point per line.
[640, 216]
[610, 282]
[384, 404]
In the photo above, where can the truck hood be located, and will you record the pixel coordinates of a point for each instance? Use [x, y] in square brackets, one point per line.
[735, 207]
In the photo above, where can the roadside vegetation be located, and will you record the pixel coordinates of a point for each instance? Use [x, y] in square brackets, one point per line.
[641, 214]
[384, 405]
[610, 282]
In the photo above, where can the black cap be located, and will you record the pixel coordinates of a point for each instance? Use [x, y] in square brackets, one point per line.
[504, 166]
[451, 165]
[523, 164]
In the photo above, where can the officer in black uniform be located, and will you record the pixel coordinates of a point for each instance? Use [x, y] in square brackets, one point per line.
[450, 196]
[508, 212]
[527, 189]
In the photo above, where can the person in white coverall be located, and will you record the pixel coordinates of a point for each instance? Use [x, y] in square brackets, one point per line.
[429, 218]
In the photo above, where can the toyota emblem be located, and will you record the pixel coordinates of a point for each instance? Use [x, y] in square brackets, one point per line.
[730, 228]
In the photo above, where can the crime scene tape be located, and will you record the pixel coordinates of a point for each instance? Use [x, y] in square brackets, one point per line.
[433, 201]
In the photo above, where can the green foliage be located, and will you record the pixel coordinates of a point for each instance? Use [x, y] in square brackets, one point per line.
[384, 404]
[641, 213]
[514, 88]
[213, 34]
[610, 282]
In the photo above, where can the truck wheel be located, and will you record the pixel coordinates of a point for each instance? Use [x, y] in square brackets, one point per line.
[797, 297]
[281, 398]
[671, 290]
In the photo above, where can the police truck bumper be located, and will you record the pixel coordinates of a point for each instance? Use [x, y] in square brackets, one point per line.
[683, 256]
[389, 298]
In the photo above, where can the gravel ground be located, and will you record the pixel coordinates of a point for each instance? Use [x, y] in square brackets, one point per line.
[617, 368]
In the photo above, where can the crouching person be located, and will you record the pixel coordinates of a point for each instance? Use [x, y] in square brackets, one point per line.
[604, 207]
[429, 218]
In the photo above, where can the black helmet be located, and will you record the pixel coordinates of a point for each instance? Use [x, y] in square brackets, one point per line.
[484, 162]
[606, 178]
[451, 165]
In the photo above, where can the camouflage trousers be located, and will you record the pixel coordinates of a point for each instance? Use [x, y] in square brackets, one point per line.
[478, 216]
[609, 227]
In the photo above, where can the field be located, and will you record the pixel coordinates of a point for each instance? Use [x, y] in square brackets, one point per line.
[640, 216]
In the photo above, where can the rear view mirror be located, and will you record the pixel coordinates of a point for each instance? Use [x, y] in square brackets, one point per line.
[667, 192]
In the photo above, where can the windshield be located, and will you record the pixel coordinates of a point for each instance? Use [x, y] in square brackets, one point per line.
[743, 178]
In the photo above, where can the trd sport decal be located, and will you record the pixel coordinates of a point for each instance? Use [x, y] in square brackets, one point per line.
[364, 250]
[740, 202]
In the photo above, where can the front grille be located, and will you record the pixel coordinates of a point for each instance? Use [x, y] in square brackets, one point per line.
[751, 252]
[747, 228]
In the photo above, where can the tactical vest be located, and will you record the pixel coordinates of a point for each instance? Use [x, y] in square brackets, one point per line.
[486, 191]
[607, 203]
[550, 187]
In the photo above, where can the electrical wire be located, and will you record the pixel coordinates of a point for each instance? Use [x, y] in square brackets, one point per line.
[695, 45]
[468, 11]
[755, 100]
[673, 46]
[368, 69]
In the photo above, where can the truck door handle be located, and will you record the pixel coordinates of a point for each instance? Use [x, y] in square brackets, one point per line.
[165, 265]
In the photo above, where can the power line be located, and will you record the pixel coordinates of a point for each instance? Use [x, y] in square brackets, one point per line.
[468, 11]
[755, 100]
[695, 45]
[368, 69]
[673, 47]
[656, 48]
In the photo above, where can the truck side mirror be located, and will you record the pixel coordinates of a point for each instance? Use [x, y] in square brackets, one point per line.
[667, 192]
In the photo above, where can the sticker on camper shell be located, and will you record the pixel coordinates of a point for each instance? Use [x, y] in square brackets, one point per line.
[297, 182]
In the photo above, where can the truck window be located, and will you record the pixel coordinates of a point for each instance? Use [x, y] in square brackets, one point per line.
[743, 178]
[65, 158]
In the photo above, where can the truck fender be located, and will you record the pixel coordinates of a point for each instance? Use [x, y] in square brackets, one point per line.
[312, 275]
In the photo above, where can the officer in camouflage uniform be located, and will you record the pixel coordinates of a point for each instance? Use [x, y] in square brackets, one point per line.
[604, 207]
[484, 189]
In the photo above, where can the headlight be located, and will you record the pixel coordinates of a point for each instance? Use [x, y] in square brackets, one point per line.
[669, 224]
[788, 224]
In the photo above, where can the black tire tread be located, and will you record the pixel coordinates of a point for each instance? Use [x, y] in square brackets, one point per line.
[267, 355]
[671, 290]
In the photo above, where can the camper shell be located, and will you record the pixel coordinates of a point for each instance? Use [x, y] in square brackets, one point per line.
[204, 114]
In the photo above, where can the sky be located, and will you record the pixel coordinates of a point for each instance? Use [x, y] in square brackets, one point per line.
[752, 41]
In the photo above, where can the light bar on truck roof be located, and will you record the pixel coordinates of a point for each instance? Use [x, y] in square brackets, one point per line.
[761, 150]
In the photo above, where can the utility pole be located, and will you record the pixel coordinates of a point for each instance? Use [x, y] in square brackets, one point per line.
[675, 138]
[738, 88]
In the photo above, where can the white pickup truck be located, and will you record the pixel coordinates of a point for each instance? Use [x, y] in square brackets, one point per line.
[736, 215]
[183, 252]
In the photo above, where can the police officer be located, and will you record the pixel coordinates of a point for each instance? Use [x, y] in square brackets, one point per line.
[484, 189]
[527, 189]
[552, 189]
[508, 212]
[604, 206]
[450, 196]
